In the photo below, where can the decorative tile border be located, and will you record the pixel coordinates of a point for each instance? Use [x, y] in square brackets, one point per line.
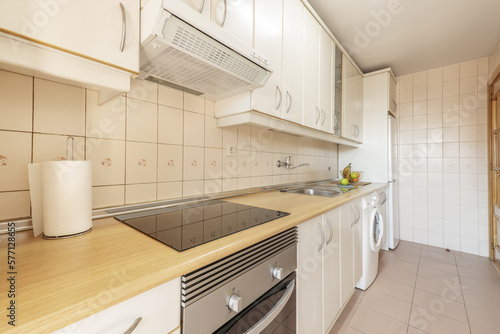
[3, 161]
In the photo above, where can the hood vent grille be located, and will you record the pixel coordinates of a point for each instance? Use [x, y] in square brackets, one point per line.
[191, 59]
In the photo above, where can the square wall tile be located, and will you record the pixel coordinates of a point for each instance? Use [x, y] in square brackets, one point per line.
[194, 103]
[16, 94]
[229, 167]
[143, 90]
[244, 163]
[256, 164]
[169, 190]
[15, 204]
[15, 155]
[209, 108]
[170, 163]
[451, 88]
[213, 134]
[193, 188]
[213, 163]
[451, 72]
[140, 193]
[420, 93]
[194, 129]
[142, 119]
[435, 106]
[244, 137]
[435, 76]
[170, 97]
[108, 196]
[58, 108]
[53, 147]
[420, 79]
[107, 120]
[108, 161]
[194, 163]
[435, 91]
[141, 163]
[170, 125]
[212, 186]
[468, 69]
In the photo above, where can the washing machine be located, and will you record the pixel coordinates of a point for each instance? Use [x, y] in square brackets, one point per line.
[373, 232]
[382, 205]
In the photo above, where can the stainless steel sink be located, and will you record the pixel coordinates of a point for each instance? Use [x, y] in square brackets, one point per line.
[318, 190]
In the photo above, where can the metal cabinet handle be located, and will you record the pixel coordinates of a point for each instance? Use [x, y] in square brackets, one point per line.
[322, 238]
[334, 122]
[358, 215]
[202, 5]
[278, 90]
[353, 130]
[124, 27]
[134, 325]
[324, 116]
[353, 216]
[225, 14]
[331, 231]
[318, 115]
[291, 101]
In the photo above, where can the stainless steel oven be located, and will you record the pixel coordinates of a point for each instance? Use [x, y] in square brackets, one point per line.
[251, 291]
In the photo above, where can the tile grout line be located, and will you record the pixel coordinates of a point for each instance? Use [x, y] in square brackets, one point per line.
[463, 296]
[414, 289]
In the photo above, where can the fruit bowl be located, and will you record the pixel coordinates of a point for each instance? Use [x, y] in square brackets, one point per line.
[354, 180]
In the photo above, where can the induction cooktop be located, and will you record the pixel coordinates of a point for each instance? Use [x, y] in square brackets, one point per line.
[190, 225]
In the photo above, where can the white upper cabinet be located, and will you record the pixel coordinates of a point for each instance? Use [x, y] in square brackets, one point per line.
[236, 17]
[352, 101]
[201, 6]
[313, 116]
[293, 60]
[326, 73]
[105, 31]
[268, 37]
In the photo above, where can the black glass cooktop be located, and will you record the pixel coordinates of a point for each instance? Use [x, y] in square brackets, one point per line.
[186, 226]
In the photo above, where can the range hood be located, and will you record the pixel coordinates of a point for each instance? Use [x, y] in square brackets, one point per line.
[180, 48]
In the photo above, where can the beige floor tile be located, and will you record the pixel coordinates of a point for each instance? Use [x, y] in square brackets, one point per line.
[390, 306]
[436, 274]
[440, 305]
[338, 328]
[439, 254]
[480, 301]
[409, 247]
[369, 321]
[434, 323]
[478, 331]
[413, 330]
[391, 288]
[475, 274]
[476, 263]
[448, 289]
[439, 265]
[408, 267]
[397, 275]
[348, 311]
[488, 322]
[485, 287]
[283, 330]
[403, 256]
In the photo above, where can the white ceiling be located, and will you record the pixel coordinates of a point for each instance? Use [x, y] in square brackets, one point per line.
[412, 35]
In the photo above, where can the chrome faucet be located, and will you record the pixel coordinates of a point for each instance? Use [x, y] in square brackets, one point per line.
[288, 165]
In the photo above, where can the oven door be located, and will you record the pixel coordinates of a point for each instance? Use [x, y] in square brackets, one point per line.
[273, 309]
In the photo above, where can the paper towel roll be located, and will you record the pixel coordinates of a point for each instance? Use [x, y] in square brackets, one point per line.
[64, 189]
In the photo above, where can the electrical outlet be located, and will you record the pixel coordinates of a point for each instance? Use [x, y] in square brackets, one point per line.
[230, 150]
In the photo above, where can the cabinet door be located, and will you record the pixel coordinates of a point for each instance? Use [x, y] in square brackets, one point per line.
[325, 81]
[358, 243]
[349, 96]
[348, 218]
[201, 6]
[293, 60]
[236, 17]
[93, 29]
[331, 268]
[358, 106]
[309, 276]
[268, 39]
[337, 98]
[312, 111]
[159, 308]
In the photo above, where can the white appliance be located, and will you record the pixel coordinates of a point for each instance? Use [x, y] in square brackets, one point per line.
[373, 231]
[183, 49]
[377, 156]
[382, 205]
[392, 175]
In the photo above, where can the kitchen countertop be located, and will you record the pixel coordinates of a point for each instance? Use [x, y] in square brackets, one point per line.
[59, 282]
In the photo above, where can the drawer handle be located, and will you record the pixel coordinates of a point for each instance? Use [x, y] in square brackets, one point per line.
[202, 6]
[124, 28]
[134, 325]
[322, 238]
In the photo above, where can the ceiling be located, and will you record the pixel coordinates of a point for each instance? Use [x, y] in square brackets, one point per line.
[412, 35]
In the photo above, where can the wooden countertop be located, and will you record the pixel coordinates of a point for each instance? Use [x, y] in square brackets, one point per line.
[59, 282]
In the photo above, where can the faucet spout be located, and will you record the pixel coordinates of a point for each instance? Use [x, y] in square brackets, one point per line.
[304, 164]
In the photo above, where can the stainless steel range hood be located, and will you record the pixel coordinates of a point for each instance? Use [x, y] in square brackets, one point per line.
[182, 49]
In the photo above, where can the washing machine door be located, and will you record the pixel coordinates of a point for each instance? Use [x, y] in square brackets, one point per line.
[376, 231]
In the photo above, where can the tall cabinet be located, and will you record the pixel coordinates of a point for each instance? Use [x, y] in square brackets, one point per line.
[352, 101]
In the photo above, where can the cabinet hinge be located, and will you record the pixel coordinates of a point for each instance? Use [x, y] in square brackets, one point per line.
[492, 246]
[491, 166]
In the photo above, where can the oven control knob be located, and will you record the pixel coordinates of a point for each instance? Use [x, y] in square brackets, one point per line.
[235, 303]
[278, 272]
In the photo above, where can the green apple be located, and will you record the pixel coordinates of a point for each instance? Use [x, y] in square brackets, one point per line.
[344, 182]
[354, 175]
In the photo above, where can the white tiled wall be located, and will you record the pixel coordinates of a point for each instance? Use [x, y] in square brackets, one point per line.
[153, 144]
[443, 157]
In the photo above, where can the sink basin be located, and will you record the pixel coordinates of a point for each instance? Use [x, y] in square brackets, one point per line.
[315, 192]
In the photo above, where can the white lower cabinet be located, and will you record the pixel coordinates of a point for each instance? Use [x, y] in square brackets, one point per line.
[318, 281]
[159, 308]
[350, 248]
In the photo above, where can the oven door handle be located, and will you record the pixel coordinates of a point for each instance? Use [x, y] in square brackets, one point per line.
[273, 313]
